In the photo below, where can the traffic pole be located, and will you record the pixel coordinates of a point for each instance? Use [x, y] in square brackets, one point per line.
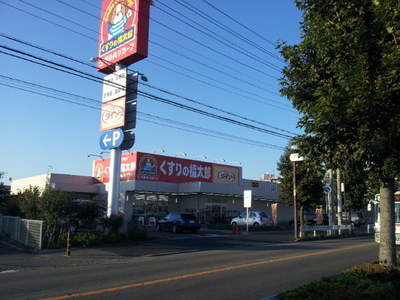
[68, 244]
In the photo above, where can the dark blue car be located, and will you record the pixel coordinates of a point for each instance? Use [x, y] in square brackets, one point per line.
[177, 222]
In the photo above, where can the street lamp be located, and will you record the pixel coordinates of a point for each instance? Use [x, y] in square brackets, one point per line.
[219, 159]
[113, 67]
[109, 64]
[89, 155]
[294, 158]
[235, 162]
[200, 156]
[180, 153]
[142, 77]
[160, 150]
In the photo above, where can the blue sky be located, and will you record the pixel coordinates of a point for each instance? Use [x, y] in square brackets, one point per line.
[44, 129]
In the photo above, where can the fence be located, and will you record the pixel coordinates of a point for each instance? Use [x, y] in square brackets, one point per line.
[327, 228]
[26, 232]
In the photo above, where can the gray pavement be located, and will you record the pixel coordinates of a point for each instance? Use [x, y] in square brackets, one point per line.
[165, 243]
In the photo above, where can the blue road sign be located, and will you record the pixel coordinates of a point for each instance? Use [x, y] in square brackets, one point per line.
[327, 189]
[111, 139]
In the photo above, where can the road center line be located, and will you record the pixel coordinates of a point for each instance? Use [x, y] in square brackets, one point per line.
[201, 273]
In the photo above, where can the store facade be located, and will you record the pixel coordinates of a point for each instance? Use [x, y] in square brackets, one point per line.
[153, 185]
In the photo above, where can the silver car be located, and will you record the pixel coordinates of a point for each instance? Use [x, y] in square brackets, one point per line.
[256, 219]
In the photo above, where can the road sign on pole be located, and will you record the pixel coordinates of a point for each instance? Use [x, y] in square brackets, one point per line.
[111, 139]
[327, 189]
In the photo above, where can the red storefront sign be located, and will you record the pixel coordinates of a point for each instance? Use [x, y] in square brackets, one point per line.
[124, 32]
[150, 167]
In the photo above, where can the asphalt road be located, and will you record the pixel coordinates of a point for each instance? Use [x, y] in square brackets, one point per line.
[209, 265]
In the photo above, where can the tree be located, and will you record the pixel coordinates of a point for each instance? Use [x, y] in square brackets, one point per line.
[344, 77]
[357, 185]
[28, 202]
[4, 195]
[60, 212]
[309, 185]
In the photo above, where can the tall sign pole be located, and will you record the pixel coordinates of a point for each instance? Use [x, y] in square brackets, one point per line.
[123, 40]
[115, 170]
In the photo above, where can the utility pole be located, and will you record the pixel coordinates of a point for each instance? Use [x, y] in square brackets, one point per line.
[339, 195]
[295, 202]
[330, 201]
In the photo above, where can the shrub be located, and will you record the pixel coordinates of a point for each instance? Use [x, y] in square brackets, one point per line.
[369, 281]
[136, 233]
[82, 239]
[113, 223]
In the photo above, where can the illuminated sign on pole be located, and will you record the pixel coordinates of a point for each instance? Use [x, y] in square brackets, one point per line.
[113, 114]
[124, 32]
[111, 139]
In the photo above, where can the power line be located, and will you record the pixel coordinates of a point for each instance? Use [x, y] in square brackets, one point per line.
[241, 24]
[229, 30]
[218, 38]
[96, 78]
[36, 89]
[79, 73]
[150, 41]
[156, 98]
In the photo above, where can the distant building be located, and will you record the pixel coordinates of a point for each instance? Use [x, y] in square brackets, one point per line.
[82, 186]
[270, 178]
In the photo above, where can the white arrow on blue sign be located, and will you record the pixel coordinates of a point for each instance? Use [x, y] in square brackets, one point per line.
[327, 189]
[111, 139]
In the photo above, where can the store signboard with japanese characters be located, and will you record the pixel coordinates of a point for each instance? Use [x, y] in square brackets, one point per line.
[124, 33]
[151, 167]
[113, 114]
[114, 85]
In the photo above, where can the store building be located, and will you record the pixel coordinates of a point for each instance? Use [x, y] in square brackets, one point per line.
[153, 185]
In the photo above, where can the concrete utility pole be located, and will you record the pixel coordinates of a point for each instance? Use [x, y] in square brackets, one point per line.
[339, 195]
[295, 202]
[294, 158]
[330, 201]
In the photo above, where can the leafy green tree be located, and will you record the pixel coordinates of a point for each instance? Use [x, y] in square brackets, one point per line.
[4, 196]
[28, 202]
[59, 213]
[309, 187]
[88, 214]
[344, 77]
[357, 185]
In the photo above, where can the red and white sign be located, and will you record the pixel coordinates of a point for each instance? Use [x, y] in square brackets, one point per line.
[150, 167]
[112, 114]
[124, 32]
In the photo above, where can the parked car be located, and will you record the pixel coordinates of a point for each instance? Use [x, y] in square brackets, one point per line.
[177, 222]
[357, 219]
[256, 219]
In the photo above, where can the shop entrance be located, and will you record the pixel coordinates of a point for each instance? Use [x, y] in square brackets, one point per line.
[215, 212]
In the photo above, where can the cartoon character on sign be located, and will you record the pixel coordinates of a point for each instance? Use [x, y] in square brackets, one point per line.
[148, 165]
[118, 18]
[98, 172]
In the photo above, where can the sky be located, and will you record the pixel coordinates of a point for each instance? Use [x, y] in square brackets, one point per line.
[216, 56]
